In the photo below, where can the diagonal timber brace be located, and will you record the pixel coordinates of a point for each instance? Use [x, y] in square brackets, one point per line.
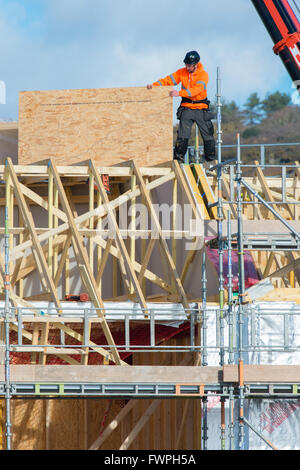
[83, 261]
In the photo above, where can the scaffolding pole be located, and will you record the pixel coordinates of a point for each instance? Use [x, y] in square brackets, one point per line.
[241, 292]
[204, 424]
[241, 408]
[223, 424]
[231, 418]
[229, 287]
[259, 434]
[240, 225]
[268, 206]
[220, 215]
[204, 344]
[7, 316]
[204, 310]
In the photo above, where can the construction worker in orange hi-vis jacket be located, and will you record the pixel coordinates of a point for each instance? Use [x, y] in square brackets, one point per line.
[194, 106]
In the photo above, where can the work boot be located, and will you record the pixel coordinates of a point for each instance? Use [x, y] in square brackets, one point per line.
[209, 150]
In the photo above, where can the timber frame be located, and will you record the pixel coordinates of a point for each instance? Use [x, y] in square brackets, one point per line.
[46, 250]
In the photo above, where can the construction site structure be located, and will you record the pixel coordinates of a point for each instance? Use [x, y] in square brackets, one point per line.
[130, 315]
[146, 305]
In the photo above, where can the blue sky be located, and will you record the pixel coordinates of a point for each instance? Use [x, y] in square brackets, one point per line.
[70, 44]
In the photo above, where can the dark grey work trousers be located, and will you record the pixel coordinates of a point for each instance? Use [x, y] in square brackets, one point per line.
[187, 117]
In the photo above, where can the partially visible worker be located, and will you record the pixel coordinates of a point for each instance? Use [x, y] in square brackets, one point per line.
[194, 106]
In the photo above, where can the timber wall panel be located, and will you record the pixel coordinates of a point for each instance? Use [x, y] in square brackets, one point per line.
[67, 425]
[109, 125]
[96, 417]
[75, 424]
[28, 425]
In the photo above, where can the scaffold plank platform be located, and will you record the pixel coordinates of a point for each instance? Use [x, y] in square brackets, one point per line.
[151, 381]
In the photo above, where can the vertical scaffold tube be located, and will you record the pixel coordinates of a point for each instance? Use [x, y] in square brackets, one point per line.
[223, 424]
[204, 311]
[220, 215]
[229, 287]
[204, 347]
[241, 273]
[204, 424]
[241, 292]
[241, 399]
[231, 418]
[6, 319]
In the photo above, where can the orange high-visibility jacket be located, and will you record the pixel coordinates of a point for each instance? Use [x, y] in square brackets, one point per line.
[193, 85]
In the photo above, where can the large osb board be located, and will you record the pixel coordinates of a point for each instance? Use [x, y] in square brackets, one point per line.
[28, 424]
[109, 125]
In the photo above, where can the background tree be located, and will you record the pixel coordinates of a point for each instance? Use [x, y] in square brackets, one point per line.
[252, 111]
[231, 112]
[275, 101]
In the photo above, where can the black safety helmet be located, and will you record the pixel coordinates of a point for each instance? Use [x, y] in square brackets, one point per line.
[192, 58]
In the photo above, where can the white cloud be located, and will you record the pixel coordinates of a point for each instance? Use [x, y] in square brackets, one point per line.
[99, 43]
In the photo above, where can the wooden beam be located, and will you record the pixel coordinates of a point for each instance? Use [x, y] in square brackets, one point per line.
[83, 262]
[285, 269]
[202, 181]
[28, 263]
[91, 223]
[18, 251]
[93, 346]
[41, 170]
[146, 259]
[283, 294]
[16, 300]
[103, 261]
[158, 230]
[99, 249]
[268, 265]
[55, 225]
[186, 191]
[113, 425]
[118, 238]
[29, 336]
[21, 262]
[63, 259]
[139, 426]
[195, 192]
[28, 219]
[40, 201]
[263, 374]
[133, 226]
[50, 221]
[265, 187]
[137, 266]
